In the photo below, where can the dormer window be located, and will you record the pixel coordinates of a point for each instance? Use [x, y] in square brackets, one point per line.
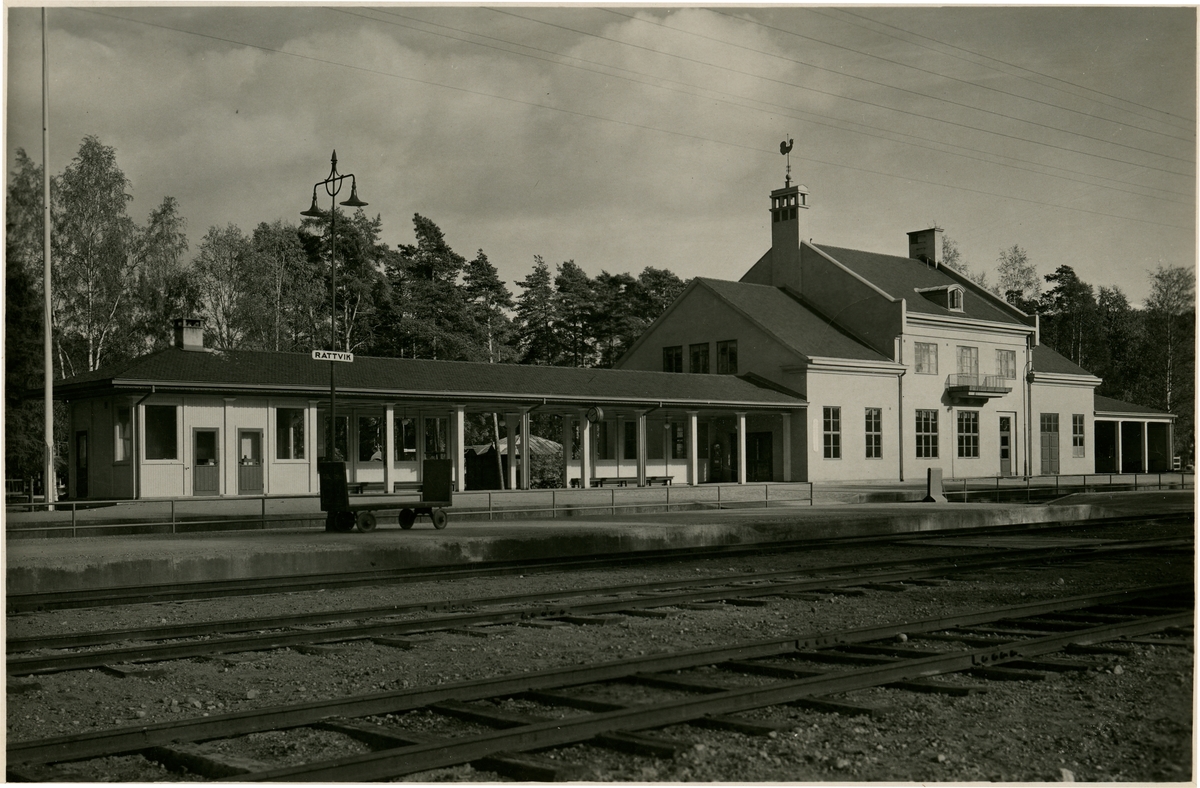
[949, 297]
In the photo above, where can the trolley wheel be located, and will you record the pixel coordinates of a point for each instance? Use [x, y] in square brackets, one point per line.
[344, 522]
[407, 518]
[366, 521]
[439, 518]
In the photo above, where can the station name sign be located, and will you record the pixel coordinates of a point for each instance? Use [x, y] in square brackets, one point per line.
[332, 355]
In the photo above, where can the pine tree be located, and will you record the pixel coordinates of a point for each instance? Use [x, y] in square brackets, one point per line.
[574, 306]
[488, 301]
[536, 316]
[1070, 323]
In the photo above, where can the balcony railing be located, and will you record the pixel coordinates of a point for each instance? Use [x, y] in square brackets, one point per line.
[965, 385]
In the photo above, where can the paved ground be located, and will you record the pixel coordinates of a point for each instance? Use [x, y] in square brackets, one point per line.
[46, 564]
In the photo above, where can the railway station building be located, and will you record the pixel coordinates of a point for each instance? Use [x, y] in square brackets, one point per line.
[820, 363]
[191, 421]
[905, 364]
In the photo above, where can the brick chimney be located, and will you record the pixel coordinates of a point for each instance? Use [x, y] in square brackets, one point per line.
[189, 333]
[926, 245]
[787, 214]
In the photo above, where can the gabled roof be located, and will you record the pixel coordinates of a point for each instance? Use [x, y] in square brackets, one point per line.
[903, 277]
[794, 323]
[298, 374]
[1110, 405]
[1054, 363]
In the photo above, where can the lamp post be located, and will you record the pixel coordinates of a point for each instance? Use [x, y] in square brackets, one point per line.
[332, 186]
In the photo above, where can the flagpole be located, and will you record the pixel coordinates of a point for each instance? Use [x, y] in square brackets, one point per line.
[48, 481]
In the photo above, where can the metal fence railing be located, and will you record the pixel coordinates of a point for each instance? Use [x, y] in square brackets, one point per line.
[180, 515]
[1029, 488]
[993, 383]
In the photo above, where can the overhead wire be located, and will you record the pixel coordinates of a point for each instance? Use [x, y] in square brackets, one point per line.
[798, 114]
[938, 74]
[591, 116]
[845, 98]
[863, 79]
[1021, 68]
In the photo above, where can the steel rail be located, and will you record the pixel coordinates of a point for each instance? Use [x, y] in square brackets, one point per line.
[229, 626]
[710, 592]
[133, 738]
[206, 589]
[399, 761]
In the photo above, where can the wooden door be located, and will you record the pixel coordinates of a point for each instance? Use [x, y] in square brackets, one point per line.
[1006, 445]
[759, 466]
[250, 462]
[206, 463]
[1049, 424]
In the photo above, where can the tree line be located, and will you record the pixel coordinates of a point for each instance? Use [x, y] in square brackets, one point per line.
[118, 284]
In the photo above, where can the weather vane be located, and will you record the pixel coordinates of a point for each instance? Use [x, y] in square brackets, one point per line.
[785, 148]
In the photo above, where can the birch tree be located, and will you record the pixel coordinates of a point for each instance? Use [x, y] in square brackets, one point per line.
[227, 286]
[94, 266]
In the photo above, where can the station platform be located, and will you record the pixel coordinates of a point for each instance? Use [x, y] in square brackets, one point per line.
[42, 565]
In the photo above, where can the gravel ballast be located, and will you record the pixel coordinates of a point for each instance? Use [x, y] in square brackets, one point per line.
[1126, 718]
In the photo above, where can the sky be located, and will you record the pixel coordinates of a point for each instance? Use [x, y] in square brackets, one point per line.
[623, 137]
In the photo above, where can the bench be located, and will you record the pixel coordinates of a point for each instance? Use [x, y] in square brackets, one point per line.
[626, 481]
[362, 488]
[17, 491]
[614, 481]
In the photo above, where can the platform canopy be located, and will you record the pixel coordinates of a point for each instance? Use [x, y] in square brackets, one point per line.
[479, 386]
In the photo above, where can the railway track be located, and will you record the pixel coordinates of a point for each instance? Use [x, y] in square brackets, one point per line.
[109, 648]
[125, 595]
[709, 687]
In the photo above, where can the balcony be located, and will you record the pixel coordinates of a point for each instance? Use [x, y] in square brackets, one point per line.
[962, 386]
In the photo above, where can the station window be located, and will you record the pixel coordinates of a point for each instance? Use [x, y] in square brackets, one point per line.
[831, 423]
[1077, 435]
[604, 450]
[1006, 363]
[289, 433]
[673, 359]
[436, 443]
[926, 358]
[927, 433]
[968, 434]
[656, 439]
[123, 435]
[874, 432]
[699, 354]
[161, 434]
[955, 299]
[341, 438]
[727, 357]
[678, 440]
[370, 439]
[630, 444]
[405, 449]
[968, 361]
